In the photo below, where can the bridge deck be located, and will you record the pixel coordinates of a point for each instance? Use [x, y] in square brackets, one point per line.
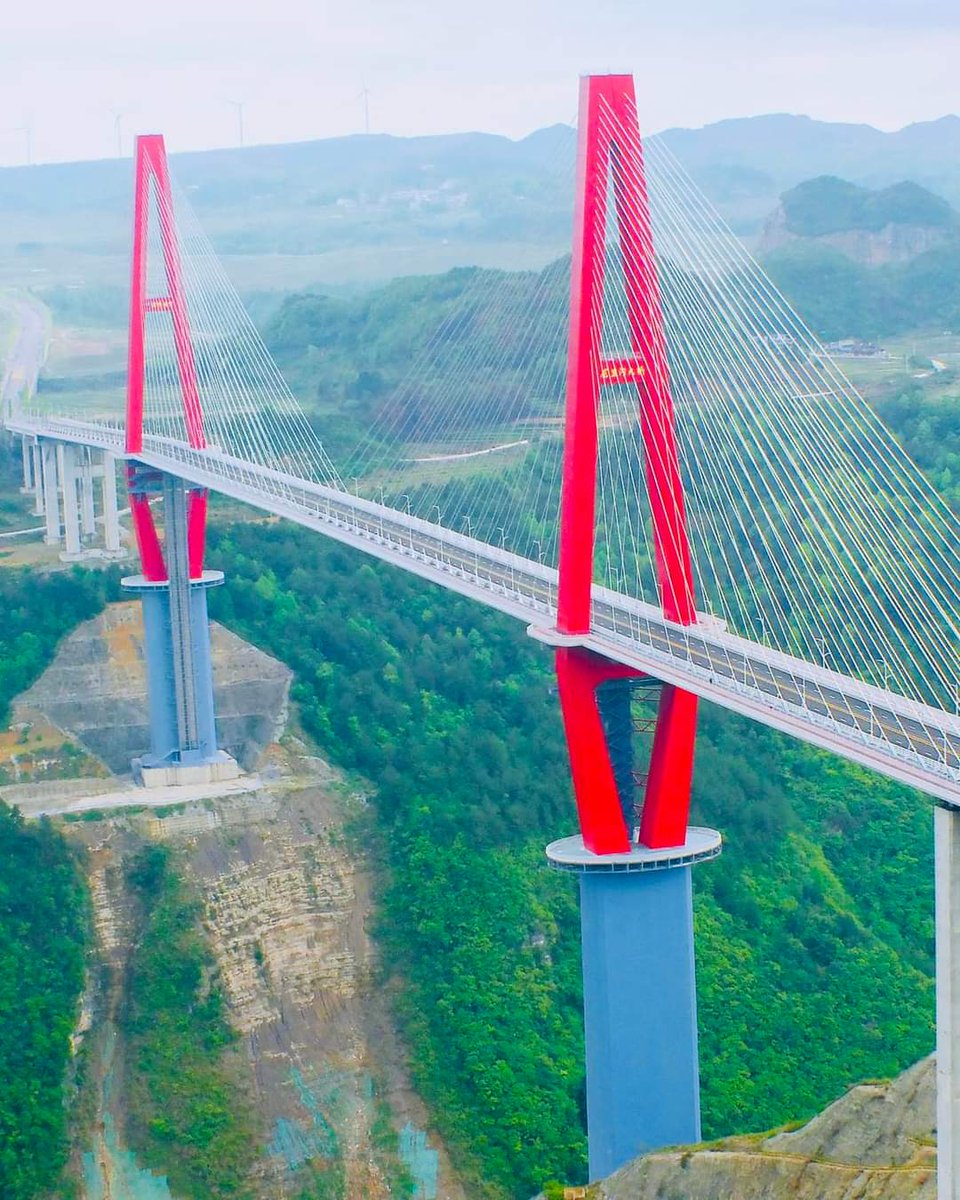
[913, 743]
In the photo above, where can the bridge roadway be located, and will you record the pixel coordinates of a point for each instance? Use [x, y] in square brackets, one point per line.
[910, 742]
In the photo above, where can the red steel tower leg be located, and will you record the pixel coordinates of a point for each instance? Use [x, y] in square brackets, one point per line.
[610, 151]
[183, 736]
[153, 195]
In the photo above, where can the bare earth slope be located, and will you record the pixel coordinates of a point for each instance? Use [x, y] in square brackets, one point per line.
[874, 1143]
[96, 690]
[287, 901]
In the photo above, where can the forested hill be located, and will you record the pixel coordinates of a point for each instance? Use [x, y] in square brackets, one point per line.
[814, 928]
[345, 354]
[828, 205]
[867, 263]
[346, 357]
[841, 298]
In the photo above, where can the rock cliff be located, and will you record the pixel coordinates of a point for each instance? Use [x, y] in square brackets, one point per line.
[287, 898]
[875, 228]
[873, 248]
[287, 901]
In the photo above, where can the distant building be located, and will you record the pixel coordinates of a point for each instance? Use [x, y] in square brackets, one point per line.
[855, 348]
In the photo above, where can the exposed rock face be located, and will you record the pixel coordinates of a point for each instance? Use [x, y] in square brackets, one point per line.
[874, 1143]
[873, 1124]
[895, 243]
[96, 690]
[287, 901]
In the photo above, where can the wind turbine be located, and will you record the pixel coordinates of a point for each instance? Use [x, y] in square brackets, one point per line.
[118, 114]
[27, 130]
[238, 105]
[364, 95]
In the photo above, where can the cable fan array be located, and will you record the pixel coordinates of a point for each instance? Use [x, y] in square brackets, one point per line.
[810, 530]
[249, 413]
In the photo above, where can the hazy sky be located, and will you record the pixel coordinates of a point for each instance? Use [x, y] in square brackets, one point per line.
[507, 66]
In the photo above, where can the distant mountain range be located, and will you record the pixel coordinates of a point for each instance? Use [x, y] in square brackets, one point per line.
[743, 165]
[402, 205]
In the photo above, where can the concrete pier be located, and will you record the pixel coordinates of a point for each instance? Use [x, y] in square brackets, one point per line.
[88, 523]
[639, 995]
[183, 735]
[111, 519]
[947, 890]
[66, 482]
[67, 468]
[26, 452]
[37, 459]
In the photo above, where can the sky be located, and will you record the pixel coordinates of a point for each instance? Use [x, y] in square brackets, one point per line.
[74, 76]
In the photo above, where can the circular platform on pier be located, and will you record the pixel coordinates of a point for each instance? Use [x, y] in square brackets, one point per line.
[140, 583]
[570, 854]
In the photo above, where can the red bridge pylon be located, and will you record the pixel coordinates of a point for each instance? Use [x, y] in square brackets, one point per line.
[610, 160]
[636, 901]
[153, 198]
[173, 586]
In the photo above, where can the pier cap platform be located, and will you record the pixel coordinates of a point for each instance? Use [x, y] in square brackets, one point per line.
[140, 583]
[570, 854]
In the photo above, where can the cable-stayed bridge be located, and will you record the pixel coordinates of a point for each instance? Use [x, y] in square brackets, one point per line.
[668, 481]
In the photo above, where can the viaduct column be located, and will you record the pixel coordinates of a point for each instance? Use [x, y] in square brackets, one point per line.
[111, 517]
[88, 523]
[37, 461]
[64, 489]
[67, 465]
[26, 451]
[51, 498]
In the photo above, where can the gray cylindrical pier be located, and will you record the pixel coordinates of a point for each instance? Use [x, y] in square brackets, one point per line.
[639, 995]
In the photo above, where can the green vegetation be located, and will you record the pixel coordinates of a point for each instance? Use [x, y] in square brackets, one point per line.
[43, 935]
[347, 356]
[39, 610]
[188, 1115]
[928, 427]
[326, 1181]
[831, 205]
[383, 1136]
[814, 928]
[838, 297]
[13, 510]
